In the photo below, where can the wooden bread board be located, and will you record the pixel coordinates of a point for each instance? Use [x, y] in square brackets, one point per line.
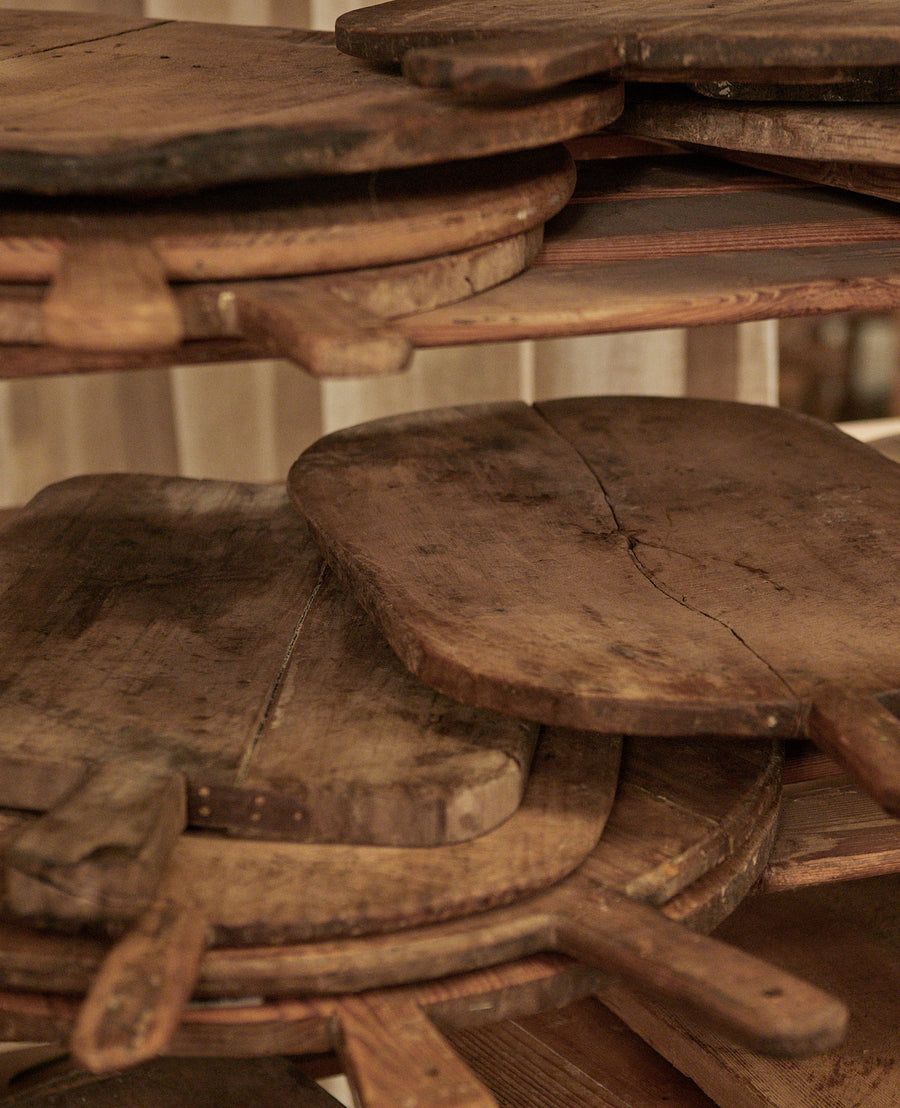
[628, 564]
[161, 106]
[589, 919]
[481, 46]
[114, 297]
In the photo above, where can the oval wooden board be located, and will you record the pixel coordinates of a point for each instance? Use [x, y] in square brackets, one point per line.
[480, 45]
[309, 225]
[335, 324]
[679, 813]
[652, 574]
[162, 106]
[868, 133]
[194, 621]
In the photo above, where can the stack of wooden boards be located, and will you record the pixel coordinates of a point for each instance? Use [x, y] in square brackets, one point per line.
[301, 200]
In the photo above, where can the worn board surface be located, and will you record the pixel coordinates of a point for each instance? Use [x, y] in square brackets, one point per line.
[679, 241]
[705, 801]
[304, 225]
[194, 623]
[845, 938]
[620, 563]
[162, 105]
[481, 44]
[868, 133]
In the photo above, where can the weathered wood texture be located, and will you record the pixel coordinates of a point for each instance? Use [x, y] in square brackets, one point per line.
[303, 225]
[113, 296]
[193, 623]
[162, 106]
[173, 1083]
[271, 892]
[527, 986]
[868, 133]
[581, 1056]
[845, 938]
[679, 241]
[480, 45]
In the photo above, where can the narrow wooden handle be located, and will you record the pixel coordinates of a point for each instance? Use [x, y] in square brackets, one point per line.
[393, 1055]
[100, 853]
[757, 1004]
[111, 295]
[326, 335]
[864, 737]
[511, 64]
[136, 1000]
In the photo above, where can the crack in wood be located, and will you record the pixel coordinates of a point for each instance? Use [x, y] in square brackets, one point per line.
[253, 743]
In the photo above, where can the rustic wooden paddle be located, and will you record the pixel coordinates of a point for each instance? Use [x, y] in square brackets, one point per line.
[627, 564]
[162, 631]
[480, 46]
[167, 109]
[596, 915]
[106, 300]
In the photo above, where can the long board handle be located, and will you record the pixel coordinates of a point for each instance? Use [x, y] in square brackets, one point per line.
[864, 737]
[511, 64]
[101, 851]
[394, 1056]
[757, 1004]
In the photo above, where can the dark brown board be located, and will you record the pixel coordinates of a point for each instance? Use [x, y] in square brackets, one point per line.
[482, 45]
[868, 133]
[165, 107]
[193, 622]
[634, 564]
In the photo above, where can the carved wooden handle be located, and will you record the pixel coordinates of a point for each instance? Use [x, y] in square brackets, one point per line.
[864, 737]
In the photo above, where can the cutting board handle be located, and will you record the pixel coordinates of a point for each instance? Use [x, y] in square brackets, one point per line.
[512, 63]
[863, 737]
[99, 854]
[758, 1005]
[111, 295]
[137, 998]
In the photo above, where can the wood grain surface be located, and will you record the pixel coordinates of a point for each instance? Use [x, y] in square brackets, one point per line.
[481, 45]
[303, 225]
[868, 133]
[194, 622]
[110, 297]
[844, 937]
[161, 106]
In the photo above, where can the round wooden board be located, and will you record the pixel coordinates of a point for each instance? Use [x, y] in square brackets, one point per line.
[163, 106]
[483, 45]
[298, 226]
[678, 813]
